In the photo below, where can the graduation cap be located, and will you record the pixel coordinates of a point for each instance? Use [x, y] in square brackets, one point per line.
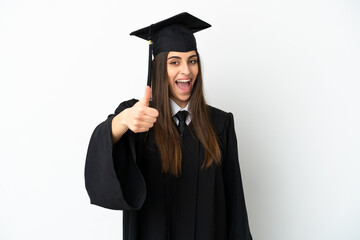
[172, 34]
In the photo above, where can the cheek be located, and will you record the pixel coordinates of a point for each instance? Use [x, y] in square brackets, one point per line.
[171, 74]
[195, 71]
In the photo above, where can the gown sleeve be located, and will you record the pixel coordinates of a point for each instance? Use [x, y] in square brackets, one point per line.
[112, 177]
[237, 220]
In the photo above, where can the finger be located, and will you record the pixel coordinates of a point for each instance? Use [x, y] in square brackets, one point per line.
[145, 100]
[143, 128]
[152, 112]
[142, 122]
[139, 130]
[148, 119]
[147, 125]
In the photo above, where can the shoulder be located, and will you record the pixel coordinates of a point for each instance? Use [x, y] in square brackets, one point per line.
[126, 104]
[220, 119]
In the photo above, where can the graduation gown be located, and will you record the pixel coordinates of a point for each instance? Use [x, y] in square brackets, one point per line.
[201, 204]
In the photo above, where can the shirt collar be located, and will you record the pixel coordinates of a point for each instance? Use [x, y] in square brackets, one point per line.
[175, 108]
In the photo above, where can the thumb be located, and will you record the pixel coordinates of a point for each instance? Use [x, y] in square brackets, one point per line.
[145, 100]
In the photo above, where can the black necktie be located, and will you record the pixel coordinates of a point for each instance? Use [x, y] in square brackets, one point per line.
[181, 115]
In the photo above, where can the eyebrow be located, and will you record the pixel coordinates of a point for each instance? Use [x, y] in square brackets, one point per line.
[177, 57]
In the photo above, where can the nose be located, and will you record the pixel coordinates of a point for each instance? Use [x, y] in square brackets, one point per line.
[185, 69]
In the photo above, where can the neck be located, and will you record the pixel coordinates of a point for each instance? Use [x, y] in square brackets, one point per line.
[181, 104]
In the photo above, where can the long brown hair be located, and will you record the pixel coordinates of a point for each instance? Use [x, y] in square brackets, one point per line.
[167, 137]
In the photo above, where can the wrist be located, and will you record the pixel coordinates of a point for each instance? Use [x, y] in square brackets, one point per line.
[122, 119]
[119, 126]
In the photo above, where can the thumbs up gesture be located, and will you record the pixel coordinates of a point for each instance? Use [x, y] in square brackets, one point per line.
[138, 118]
[141, 117]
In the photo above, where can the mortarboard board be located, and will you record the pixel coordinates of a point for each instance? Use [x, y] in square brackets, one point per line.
[172, 34]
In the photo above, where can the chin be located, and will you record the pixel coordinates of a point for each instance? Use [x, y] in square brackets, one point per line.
[184, 99]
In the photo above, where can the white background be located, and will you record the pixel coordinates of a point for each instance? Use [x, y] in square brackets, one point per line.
[287, 70]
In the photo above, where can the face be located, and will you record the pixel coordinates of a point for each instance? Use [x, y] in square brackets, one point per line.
[182, 69]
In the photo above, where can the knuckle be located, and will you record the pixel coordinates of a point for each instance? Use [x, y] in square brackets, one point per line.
[141, 109]
[134, 129]
[135, 122]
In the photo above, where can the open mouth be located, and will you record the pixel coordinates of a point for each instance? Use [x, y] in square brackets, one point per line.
[183, 84]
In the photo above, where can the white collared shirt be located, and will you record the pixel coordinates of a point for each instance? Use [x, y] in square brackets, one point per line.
[175, 108]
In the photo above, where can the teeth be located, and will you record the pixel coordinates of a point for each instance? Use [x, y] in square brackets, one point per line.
[183, 80]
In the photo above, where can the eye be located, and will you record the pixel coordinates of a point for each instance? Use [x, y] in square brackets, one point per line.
[193, 61]
[174, 62]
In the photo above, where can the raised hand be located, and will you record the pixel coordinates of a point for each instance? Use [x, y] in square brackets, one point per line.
[141, 117]
[138, 118]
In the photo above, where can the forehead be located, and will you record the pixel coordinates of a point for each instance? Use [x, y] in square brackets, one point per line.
[182, 54]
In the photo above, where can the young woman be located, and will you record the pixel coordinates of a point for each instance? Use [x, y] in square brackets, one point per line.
[171, 164]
